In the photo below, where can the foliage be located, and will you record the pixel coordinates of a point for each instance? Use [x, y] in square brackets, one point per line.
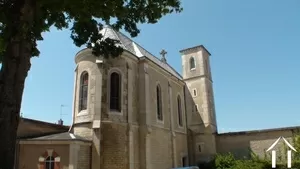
[228, 161]
[296, 141]
[22, 23]
[224, 161]
[84, 18]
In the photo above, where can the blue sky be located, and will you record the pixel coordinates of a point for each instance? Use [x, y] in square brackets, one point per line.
[255, 61]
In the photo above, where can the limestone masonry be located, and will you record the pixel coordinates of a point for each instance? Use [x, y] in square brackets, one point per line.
[137, 112]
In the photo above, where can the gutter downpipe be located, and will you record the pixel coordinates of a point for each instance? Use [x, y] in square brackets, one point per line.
[186, 125]
[171, 123]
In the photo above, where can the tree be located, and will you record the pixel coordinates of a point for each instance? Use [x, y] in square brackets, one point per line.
[21, 25]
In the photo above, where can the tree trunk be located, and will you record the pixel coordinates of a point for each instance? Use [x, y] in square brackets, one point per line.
[15, 66]
[12, 78]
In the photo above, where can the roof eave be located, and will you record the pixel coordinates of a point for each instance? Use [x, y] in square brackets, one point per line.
[183, 51]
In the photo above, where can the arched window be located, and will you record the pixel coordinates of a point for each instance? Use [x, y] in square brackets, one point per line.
[192, 63]
[84, 83]
[179, 111]
[49, 162]
[115, 91]
[159, 103]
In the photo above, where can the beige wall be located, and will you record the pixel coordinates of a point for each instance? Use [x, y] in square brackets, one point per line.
[240, 143]
[167, 139]
[29, 155]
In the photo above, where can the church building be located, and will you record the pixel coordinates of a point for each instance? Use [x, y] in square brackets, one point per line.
[136, 112]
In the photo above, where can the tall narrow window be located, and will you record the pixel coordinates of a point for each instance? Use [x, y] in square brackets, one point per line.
[49, 162]
[196, 107]
[159, 103]
[179, 110]
[184, 161]
[84, 83]
[192, 63]
[199, 148]
[115, 91]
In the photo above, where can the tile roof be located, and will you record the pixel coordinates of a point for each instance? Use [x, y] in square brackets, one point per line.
[128, 44]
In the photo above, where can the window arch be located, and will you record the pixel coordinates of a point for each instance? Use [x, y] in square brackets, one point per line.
[179, 111]
[115, 91]
[83, 95]
[49, 162]
[159, 103]
[192, 63]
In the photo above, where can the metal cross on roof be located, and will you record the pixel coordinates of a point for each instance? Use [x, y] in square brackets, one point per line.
[163, 56]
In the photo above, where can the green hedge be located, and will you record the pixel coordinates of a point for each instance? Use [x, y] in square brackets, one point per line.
[228, 161]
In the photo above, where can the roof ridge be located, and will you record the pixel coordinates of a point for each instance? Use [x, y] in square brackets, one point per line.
[137, 44]
[130, 45]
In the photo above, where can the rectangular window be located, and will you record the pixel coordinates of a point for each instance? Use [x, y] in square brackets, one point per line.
[194, 92]
[196, 108]
[184, 162]
[199, 147]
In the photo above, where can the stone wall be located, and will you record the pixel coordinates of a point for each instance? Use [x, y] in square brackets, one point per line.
[167, 139]
[161, 149]
[114, 146]
[242, 143]
[84, 157]
[84, 130]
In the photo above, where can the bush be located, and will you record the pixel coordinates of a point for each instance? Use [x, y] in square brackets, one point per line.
[227, 161]
[224, 161]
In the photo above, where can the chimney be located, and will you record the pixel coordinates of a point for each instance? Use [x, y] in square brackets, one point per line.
[60, 122]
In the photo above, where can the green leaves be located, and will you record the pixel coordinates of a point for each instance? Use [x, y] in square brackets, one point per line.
[87, 18]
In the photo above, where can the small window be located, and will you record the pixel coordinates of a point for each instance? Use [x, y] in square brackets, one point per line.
[196, 108]
[194, 92]
[50, 162]
[199, 148]
[192, 63]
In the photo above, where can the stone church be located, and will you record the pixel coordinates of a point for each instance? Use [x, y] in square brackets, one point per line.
[137, 112]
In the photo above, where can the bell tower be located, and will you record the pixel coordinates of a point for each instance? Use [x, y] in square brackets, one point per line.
[200, 101]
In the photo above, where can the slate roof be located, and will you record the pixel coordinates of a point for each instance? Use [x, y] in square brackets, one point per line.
[60, 137]
[129, 45]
